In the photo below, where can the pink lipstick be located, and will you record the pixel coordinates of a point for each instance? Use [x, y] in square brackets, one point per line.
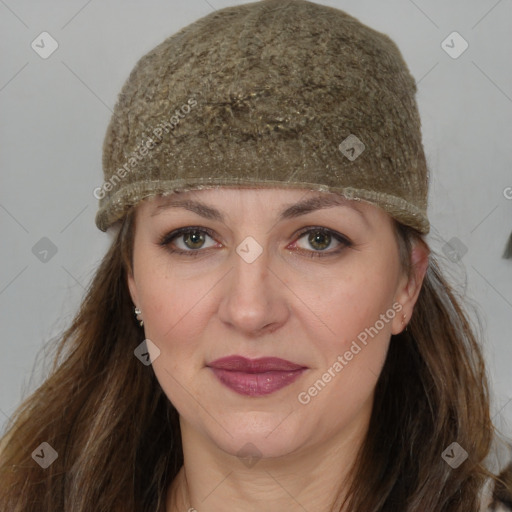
[255, 377]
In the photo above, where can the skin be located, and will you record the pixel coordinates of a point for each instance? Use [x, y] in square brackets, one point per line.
[285, 304]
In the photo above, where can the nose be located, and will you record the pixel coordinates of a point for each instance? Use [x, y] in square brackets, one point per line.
[255, 297]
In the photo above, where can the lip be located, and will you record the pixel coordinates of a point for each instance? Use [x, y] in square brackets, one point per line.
[255, 377]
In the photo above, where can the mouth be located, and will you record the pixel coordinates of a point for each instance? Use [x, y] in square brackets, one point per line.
[255, 377]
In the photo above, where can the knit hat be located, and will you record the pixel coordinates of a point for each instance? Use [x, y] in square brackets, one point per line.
[274, 93]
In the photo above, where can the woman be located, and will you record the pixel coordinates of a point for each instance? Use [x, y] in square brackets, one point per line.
[269, 327]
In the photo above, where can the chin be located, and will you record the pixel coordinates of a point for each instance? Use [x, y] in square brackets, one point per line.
[266, 438]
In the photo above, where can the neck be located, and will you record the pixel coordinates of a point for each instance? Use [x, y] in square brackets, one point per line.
[312, 478]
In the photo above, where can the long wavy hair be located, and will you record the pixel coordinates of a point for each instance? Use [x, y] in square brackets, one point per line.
[118, 437]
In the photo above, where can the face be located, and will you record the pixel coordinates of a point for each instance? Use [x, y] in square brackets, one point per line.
[272, 318]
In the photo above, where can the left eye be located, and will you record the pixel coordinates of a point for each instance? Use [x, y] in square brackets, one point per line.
[321, 238]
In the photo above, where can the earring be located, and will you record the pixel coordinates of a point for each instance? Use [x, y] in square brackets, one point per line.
[137, 313]
[404, 317]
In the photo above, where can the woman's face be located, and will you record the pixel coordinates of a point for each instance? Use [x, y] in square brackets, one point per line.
[256, 275]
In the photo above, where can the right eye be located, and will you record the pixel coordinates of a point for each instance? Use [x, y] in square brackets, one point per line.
[192, 238]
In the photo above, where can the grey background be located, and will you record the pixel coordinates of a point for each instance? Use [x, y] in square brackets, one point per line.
[54, 113]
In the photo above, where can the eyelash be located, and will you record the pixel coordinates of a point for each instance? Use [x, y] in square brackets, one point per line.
[166, 240]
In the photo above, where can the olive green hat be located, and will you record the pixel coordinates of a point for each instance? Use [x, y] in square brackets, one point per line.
[275, 93]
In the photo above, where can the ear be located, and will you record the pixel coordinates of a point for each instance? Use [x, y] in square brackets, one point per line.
[410, 286]
[132, 287]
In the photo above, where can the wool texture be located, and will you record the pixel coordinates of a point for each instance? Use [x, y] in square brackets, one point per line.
[274, 93]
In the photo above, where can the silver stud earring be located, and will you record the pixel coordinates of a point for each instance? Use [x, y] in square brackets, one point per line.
[137, 313]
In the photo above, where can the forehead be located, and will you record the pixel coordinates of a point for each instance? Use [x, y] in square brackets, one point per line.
[286, 203]
[226, 196]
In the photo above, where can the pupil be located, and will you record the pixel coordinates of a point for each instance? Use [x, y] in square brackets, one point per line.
[317, 237]
[195, 237]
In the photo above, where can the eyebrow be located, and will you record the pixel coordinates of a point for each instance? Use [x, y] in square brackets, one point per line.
[290, 212]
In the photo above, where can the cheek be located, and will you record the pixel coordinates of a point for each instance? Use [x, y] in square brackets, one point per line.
[357, 316]
[167, 299]
[341, 395]
[172, 320]
[175, 311]
[347, 301]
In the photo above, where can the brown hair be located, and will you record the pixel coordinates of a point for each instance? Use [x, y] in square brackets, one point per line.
[118, 438]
